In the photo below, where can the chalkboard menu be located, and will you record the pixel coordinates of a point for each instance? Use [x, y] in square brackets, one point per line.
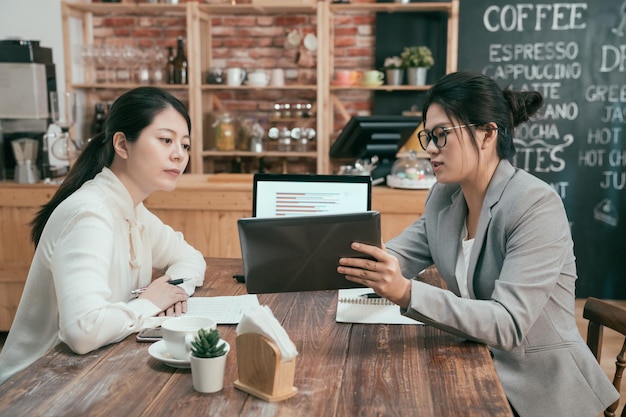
[575, 55]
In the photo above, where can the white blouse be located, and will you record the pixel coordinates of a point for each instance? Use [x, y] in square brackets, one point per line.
[462, 263]
[94, 250]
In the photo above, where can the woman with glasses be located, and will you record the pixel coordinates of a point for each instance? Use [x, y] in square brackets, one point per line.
[500, 240]
[90, 283]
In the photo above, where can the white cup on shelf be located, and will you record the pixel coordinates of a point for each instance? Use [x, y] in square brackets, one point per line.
[258, 78]
[277, 77]
[373, 77]
[235, 76]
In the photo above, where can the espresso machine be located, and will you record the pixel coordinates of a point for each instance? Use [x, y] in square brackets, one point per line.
[27, 76]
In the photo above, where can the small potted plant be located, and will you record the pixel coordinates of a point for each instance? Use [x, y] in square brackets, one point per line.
[417, 60]
[208, 360]
[393, 70]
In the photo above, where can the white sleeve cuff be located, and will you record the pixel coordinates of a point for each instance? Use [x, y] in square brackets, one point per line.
[144, 307]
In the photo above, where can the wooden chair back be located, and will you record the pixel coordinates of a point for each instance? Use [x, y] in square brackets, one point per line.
[603, 314]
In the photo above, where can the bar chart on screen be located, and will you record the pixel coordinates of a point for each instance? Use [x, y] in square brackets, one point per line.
[309, 195]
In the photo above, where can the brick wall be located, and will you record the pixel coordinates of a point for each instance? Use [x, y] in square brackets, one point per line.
[253, 42]
[256, 41]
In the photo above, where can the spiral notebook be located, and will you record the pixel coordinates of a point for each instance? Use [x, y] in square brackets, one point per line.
[352, 307]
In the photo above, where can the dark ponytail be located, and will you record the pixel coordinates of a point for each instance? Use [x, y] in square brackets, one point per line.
[132, 112]
[89, 163]
[523, 104]
[474, 98]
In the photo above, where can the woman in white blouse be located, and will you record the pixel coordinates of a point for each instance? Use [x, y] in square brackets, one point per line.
[96, 242]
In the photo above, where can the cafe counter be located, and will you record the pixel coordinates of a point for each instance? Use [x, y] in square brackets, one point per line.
[205, 208]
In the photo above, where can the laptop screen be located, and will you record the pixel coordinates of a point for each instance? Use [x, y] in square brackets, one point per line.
[285, 195]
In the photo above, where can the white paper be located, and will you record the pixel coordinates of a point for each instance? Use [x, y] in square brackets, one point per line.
[223, 309]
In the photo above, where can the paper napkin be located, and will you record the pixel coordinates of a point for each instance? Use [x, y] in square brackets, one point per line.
[261, 320]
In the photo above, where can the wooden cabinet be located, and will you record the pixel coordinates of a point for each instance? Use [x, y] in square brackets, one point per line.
[261, 100]
[199, 22]
[87, 71]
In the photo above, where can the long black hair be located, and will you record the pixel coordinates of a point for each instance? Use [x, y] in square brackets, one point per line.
[132, 112]
[474, 98]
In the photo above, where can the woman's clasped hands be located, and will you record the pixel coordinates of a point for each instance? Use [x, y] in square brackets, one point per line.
[172, 299]
[380, 272]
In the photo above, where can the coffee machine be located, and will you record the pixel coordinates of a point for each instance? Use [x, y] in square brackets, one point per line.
[27, 76]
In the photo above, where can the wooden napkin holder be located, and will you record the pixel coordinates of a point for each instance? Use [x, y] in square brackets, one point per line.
[260, 371]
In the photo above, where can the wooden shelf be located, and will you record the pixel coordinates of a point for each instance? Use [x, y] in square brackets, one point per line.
[383, 87]
[128, 8]
[392, 7]
[291, 119]
[249, 154]
[203, 99]
[243, 9]
[126, 86]
[336, 92]
[309, 87]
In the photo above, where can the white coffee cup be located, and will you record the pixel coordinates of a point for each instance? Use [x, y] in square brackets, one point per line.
[372, 76]
[179, 332]
[258, 77]
[277, 79]
[235, 76]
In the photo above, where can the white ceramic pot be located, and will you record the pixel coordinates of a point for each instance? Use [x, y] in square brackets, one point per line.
[208, 373]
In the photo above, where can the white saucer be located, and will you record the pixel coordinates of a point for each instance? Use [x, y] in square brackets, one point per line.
[310, 42]
[157, 351]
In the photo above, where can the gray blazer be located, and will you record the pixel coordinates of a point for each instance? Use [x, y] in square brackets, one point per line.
[521, 281]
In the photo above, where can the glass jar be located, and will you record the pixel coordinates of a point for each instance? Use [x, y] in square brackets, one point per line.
[411, 172]
[224, 130]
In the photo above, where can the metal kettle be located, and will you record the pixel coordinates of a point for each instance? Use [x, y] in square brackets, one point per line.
[25, 151]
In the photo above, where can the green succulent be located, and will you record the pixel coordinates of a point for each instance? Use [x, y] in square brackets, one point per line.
[205, 344]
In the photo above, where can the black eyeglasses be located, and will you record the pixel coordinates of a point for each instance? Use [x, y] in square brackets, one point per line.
[438, 136]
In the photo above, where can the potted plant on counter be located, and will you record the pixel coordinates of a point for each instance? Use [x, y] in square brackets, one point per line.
[208, 361]
[393, 70]
[417, 60]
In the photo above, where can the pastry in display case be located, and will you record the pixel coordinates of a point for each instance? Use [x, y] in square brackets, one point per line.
[411, 172]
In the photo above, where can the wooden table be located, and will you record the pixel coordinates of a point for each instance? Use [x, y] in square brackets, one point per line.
[341, 370]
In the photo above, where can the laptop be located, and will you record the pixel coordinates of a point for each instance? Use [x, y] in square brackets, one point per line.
[301, 253]
[287, 195]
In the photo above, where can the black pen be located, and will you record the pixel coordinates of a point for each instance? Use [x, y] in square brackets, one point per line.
[171, 281]
[370, 295]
